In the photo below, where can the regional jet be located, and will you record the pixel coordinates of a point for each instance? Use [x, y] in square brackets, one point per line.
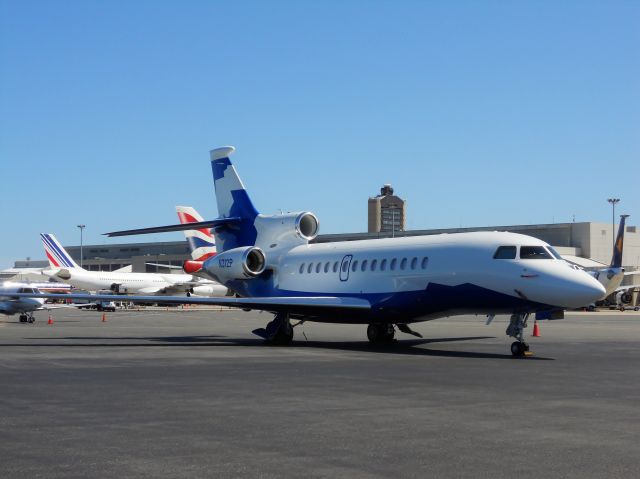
[271, 264]
[13, 301]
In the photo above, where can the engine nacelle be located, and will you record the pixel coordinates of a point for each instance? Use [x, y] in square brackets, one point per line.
[245, 262]
[209, 290]
[289, 228]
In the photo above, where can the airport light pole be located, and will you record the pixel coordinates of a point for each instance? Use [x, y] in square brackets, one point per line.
[613, 202]
[82, 227]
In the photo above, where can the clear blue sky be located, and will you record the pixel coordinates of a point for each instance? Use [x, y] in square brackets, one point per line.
[478, 113]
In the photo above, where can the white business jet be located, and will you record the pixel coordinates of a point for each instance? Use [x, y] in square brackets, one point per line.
[382, 283]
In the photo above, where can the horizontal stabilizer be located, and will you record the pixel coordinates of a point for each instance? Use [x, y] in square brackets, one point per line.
[180, 227]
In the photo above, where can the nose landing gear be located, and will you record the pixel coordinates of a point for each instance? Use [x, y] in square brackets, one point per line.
[516, 330]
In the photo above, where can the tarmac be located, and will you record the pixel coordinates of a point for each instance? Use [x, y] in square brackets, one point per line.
[194, 394]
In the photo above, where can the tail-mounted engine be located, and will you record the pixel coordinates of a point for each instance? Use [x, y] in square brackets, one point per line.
[245, 262]
[287, 229]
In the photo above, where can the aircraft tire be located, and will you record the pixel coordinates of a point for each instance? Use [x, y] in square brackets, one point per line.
[380, 333]
[284, 336]
[518, 349]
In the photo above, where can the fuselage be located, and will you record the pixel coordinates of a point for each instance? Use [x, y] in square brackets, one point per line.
[10, 305]
[133, 283]
[420, 278]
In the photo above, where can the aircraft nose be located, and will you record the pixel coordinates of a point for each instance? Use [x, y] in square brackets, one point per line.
[584, 290]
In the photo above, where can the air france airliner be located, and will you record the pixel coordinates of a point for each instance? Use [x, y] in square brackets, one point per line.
[271, 264]
[63, 267]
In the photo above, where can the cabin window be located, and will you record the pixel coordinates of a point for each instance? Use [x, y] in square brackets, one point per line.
[335, 267]
[318, 266]
[302, 268]
[534, 252]
[309, 268]
[425, 262]
[364, 265]
[505, 252]
[392, 265]
[403, 263]
[383, 264]
[345, 266]
[374, 263]
[326, 267]
[354, 265]
[414, 263]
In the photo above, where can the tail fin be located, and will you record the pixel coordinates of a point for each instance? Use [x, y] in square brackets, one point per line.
[201, 241]
[616, 260]
[56, 254]
[233, 202]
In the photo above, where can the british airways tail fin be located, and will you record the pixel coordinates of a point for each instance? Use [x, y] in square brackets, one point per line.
[201, 241]
[616, 260]
[56, 254]
[233, 202]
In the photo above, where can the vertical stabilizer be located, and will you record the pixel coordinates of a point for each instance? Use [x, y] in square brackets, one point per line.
[616, 260]
[201, 241]
[233, 202]
[56, 254]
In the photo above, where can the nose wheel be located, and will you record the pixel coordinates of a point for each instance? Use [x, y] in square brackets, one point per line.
[519, 348]
[516, 330]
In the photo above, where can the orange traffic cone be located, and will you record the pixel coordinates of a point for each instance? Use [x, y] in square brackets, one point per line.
[536, 330]
[104, 317]
[50, 320]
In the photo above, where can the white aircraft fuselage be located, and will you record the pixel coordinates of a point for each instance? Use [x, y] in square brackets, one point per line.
[134, 283]
[11, 305]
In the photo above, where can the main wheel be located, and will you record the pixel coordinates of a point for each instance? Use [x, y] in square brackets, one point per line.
[380, 333]
[284, 335]
[518, 348]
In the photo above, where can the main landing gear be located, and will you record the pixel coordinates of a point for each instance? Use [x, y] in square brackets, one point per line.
[516, 330]
[27, 318]
[278, 332]
[380, 333]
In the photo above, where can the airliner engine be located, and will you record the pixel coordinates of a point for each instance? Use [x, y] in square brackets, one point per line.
[238, 263]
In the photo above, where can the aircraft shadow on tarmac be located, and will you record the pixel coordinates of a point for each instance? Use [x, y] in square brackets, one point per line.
[400, 347]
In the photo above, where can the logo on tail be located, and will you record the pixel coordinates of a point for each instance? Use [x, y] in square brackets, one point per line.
[201, 241]
[56, 254]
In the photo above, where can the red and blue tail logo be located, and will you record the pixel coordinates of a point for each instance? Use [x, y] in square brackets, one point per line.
[201, 242]
[56, 254]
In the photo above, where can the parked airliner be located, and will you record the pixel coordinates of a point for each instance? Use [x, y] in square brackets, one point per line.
[64, 268]
[383, 283]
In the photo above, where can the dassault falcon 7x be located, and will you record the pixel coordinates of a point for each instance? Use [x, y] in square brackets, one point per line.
[271, 264]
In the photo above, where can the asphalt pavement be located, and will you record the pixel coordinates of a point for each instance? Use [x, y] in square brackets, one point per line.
[194, 394]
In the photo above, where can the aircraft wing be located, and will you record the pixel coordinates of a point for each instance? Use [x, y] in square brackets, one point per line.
[625, 287]
[290, 304]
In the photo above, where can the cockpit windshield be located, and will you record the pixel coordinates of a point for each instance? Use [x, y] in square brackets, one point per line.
[534, 252]
[505, 252]
[555, 254]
